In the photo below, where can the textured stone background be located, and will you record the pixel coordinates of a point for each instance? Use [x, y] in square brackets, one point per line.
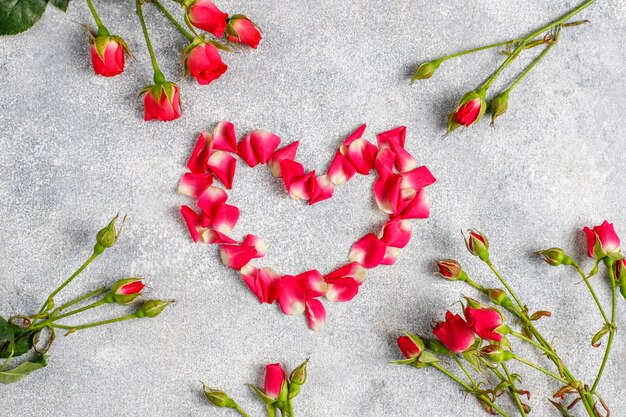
[75, 151]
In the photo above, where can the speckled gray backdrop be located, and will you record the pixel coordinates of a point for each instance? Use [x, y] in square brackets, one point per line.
[75, 151]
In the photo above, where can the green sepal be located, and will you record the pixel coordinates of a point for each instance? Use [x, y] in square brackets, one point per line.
[427, 357]
[267, 400]
[22, 370]
[90, 33]
[101, 44]
[220, 46]
[606, 328]
[404, 361]
[123, 44]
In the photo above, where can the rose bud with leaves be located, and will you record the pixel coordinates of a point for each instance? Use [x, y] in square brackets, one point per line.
[297, 378]
[477, 244]
[205, 15]
[451, 270]
[108, 55]
[410, 345]
[218, 398]
[425, 70]
[152, 308]
[108, 236]
[469, 110]
[161, 102]
[203, 61]
[240, 29]
[602, 242]
[555, 257]
[125, 291]
[455, 334]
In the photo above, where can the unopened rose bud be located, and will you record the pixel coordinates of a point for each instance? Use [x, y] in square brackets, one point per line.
[477, 244]
[470, 109]
[499, 106]
[451, 270]
[602, 242]
[203, 61]
[108, 55]
[152, 308]
[499, 297]
[411, 346]
[619, 269]
[555, 257]
[161, 102]
[494, 353]
[108, 235]
[297, 379]
[218, 398]
[125, 291]
[240, 29]
[425, 70]
[205, 15]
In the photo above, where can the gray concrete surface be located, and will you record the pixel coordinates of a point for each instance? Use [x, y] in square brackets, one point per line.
[75, 151]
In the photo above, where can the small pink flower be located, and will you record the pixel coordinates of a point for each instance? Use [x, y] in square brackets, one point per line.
[240, 29]
[162, 102]
[204, 63]
[275, 378]
[408, 347]
[484, 322]
[205, 15]
[455, 334]
[602, 241]
[107, 55]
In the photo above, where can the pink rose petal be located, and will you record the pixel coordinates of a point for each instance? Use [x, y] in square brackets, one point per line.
[224, 137]
[324, 189]
[387, 193]
[290, 171]
[263, 144]
[193, 184]
[303, 188]
[418, 208]
[396, 233]
[391, 254]
[340, 170]
[369, 251]
[357, 134]
[313, 283]
[397, 135]
[287, 152]
[384, 163]
[225, 219]
[418, 178]
[361, 155]
[404, 160]
[193, 221]
[223, 165]
[236, 256]
[200, 155]
[214, 237]
[292, 295]
[342, 289]
[246, 152]
[352, 270]
[211, 200]
[257, 243]
[264, 283]
[315, 314]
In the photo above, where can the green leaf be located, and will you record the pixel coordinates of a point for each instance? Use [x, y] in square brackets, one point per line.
[6, 332]
[60, 4]
[22, 370]
[16, 16]
[23, 344]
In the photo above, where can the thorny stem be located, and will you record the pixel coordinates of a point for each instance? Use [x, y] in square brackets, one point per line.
[593, 293]
[171, 18]
[541, 369]
[465, 371]
[530, 67]
[612, 327]
[513, 391]
[503, 281]
[159, 78]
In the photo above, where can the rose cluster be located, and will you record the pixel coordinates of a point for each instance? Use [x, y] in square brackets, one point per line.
[481, 338]
[399, 192]
[201, 58]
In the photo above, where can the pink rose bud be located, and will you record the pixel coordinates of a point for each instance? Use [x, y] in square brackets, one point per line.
[620, 275]
[205, 15]
[555, 257]
[451, 270]
[484, 322]
[240, 29]
[275, 380]
[126, 290]
[411, 346]
[455, 334]
[602, 241]
[469, 110]
[477, 244]
[107, 55]
[203, 61]
[162, 102]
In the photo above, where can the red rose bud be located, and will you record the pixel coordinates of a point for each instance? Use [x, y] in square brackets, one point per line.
[495, 353]
[484, 322]
[275, 381]
[425, 70]
[205, 15]
[499, 105]
[240, 29]
[125, 291]
[203, 61]
[218, 398]
[152, 308]
[107, 236]
[477, 244]
[411, 346]
[455, 334]
[469, 110]
[107, 55]
[620, 276]
[602, 241]
[161, 102]
[451, 270]
[555, 257]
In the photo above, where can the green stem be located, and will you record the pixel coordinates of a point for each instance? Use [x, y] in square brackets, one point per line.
[79, 310]
[520, 336]
[506, 285]
[513, 391]
[67, 281]
[540, 369]
[593, 293]
[79, 299]
[175, 22]
[465, 371]
[612, 327]
[529, 68]
[159, 78]
[481, 48]
[87, 326]
[473, 284]
[237, 407]
[102, 30]
[468, 388]
[8, 358]
[533, 35]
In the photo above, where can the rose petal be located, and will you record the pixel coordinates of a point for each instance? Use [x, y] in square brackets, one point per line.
[406, 197]
[396, 233]
[387, 193]
[193, 221]
[303, 188]
[404, 160]
[224, 137]
[193, 184]
[200, 155]
[225, 219]
[352, 270]
[384, 162]
[357, 134]
[313, 283]
[418, 208]
[324, 189]
[212, 236]
[264, 283]
[418, 178]
[315, 314]
[340, 170]
[264, 144]
[292, 295]
[245, 152]
[397, 135]
[391, 254]
[368, 251]
[223, 165]
[257, 243]
[287, 152]
[361, 154]
[236, 256]
[211, 200]
[290, 171]
[342, 289]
